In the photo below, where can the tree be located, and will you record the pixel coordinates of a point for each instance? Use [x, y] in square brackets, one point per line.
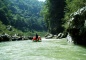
[53, 13]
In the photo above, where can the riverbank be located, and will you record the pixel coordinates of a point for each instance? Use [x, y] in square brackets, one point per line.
[48, 49]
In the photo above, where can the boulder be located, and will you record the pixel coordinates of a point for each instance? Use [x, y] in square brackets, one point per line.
[48, 36]
[5, 37]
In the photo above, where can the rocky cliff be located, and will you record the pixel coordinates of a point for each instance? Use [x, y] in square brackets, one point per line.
[77, 26]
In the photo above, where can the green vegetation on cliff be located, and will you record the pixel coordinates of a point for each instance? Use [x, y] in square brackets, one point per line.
[71, 7]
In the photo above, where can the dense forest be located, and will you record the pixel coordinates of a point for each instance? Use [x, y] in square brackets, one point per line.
[23, 15]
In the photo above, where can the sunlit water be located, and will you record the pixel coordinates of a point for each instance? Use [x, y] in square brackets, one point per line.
[52, 49]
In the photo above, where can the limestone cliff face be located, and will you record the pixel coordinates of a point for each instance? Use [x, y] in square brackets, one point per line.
[77, 26]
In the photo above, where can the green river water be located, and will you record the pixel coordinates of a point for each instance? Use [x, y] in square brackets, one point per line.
[48, 49]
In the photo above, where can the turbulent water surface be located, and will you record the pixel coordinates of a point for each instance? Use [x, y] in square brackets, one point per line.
[48, 49]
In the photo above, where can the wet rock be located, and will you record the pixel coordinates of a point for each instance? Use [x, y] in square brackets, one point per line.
[17, 37]
[48, 36]
[4, 37]
[30, 37]
[61, 35]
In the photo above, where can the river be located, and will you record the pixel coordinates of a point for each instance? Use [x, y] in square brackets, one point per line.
[48, 49]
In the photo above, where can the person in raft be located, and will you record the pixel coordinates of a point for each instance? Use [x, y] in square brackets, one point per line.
[36, 36]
